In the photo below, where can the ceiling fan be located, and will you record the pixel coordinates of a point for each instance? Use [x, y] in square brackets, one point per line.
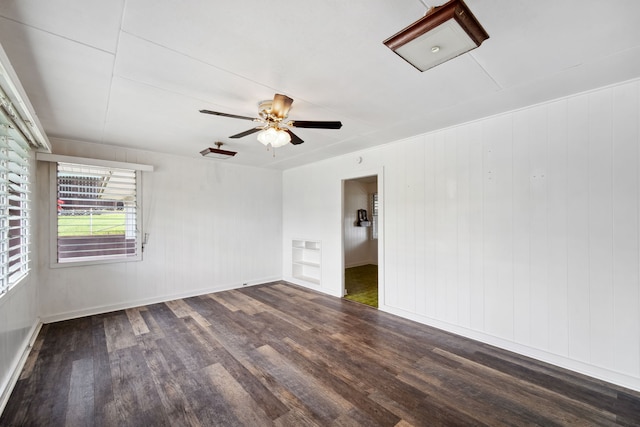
[273, 129]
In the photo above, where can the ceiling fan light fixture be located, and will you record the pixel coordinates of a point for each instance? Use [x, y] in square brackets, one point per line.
[275, 137]
[217, 153]
[273, 131]
[442, 34]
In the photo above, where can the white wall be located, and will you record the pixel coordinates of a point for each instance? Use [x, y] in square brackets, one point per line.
[19, 314]
[359, 249]
[521, 230]
[18, 322]
[212, 225]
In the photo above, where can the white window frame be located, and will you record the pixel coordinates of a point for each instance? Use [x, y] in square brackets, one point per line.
[54, 159]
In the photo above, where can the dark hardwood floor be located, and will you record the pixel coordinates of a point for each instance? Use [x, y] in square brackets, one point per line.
[277, 354]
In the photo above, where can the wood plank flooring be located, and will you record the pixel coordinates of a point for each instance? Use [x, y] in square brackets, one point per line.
[281, 355]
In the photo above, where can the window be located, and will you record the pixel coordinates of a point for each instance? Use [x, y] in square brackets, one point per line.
[14, 211]
[97, 213]
[374, 216]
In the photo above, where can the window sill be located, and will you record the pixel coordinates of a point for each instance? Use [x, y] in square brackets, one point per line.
[94, 261]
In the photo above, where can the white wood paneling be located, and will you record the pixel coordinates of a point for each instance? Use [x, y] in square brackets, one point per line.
[442, 244]
[18, 323]
[625, 186]
[600, 227]
[393, 196]
[464, 218]
[449, 261]
[419, 227]
[430, 224]
[522, 204]
[501, 239]
[405, 261]
[557, 220]
[539, 278]
[477, 181]
[578, 229]
[357, 240]
[211, 226]
[522, 229]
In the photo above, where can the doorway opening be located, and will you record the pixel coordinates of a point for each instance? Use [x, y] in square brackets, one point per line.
[360, 240]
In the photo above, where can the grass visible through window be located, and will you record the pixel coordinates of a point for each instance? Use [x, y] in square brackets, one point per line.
[91, 225]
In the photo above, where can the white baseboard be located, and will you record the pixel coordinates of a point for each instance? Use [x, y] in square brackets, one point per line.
[313, 286]
[597, 372]
[74, 314]
[18, 364]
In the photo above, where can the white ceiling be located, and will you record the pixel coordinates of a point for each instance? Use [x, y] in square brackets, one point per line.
[134, 73]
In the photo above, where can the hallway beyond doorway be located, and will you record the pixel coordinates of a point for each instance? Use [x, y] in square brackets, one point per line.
[361, 284]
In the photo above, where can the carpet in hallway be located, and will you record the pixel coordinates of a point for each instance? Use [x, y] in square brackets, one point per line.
[361, 284]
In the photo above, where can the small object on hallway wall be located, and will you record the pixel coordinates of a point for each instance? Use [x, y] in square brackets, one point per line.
[359, 160]
[363, 221]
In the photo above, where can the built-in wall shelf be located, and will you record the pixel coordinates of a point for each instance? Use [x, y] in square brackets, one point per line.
[305, 261]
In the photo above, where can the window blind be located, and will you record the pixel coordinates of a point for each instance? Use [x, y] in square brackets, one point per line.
[97, 216]
[374, 216]
[14, 211]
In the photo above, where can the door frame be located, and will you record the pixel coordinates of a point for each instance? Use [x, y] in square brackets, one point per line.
[379, 173]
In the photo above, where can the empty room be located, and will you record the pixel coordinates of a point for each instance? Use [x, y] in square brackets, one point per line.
[331, 213]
